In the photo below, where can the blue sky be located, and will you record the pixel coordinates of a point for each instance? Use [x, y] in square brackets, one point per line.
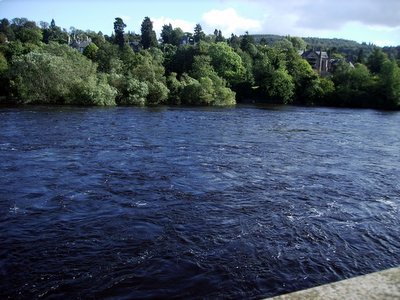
[372, 21]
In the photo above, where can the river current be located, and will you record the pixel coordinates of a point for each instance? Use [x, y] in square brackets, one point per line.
[168, 202]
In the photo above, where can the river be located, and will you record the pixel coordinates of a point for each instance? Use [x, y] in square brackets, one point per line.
[169, 202]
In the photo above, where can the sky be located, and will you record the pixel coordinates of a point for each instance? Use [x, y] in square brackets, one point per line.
[370, 21]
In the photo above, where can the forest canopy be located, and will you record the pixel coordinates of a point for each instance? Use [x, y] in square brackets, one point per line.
[44, 64]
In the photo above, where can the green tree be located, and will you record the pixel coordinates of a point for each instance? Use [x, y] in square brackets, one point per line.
[4, 82]
[355, 87]
[166, 34]
[297, 42]
[390, 84]
[206, 87]
[90, 51]
[181, 62]
[3, 64]
[53, 33]
[247, 44]
[175, 87]
[172, 36]
[26, 31]
[119, 27]
[361, 56]
[226, 62]
[272, 77]
[177, 36]
[234, 41]
[281, 86]
[199, 35]
[5, 28]
[61, 75]
[376, 60]
[147, 68]
[135, 92]
[106, 56]
[148, 35]
[319, 91]
[219, 37]
[308, 87]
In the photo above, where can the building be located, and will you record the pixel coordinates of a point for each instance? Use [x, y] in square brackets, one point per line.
[319, 60]
[80, 45]
[187, 39]
[136, 46]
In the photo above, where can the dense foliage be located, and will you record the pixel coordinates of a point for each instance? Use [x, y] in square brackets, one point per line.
[50, 65]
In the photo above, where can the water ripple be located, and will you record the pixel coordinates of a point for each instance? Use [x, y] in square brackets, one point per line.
[194, 203]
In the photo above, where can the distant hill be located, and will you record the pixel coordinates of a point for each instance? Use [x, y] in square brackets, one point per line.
[350, 49]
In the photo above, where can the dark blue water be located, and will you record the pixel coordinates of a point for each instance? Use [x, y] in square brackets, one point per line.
[246, 202]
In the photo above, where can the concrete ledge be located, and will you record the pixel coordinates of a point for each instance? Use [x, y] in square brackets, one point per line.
[379, 285]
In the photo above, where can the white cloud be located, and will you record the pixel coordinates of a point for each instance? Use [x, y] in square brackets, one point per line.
[158, 23]
[383, 43]
[126, 18]
[332, 15]
[228, 21]
[361, 20]
[381, 28]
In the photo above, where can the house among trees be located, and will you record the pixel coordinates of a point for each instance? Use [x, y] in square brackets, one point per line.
[319, 60]
[79, 44]
[187, 39]
[135, 45]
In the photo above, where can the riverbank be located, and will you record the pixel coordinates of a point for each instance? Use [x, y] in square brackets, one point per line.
[379, 285]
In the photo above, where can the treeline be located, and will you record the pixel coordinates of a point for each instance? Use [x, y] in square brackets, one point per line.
[40, 65]
[350, 50]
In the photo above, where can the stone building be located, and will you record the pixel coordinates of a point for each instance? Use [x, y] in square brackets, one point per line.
[319, 60]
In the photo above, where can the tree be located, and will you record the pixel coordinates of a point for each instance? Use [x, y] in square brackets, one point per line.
[119, 27]
[226, 62]
[182, 60]
[355, 87]
[306, 81]
[166, 34]
[320, 91]
[148, 35]
[6, 29]
[4, 81]
[106, 56]
[135, 92]
[31, 35]
[172, 36]
[234, 41]
[246, 41]
[58, 74]
[390, 84]
[175, 89]
[54, 33]
[90, 51]
[3, 64]
[177, 36]
[206, 87]
[219, 37]
[199, 35]
[361, 56]
[26, 31]
[281, 86]
[376, 60]
[272, 77]
[146, 67]
[297, 42]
